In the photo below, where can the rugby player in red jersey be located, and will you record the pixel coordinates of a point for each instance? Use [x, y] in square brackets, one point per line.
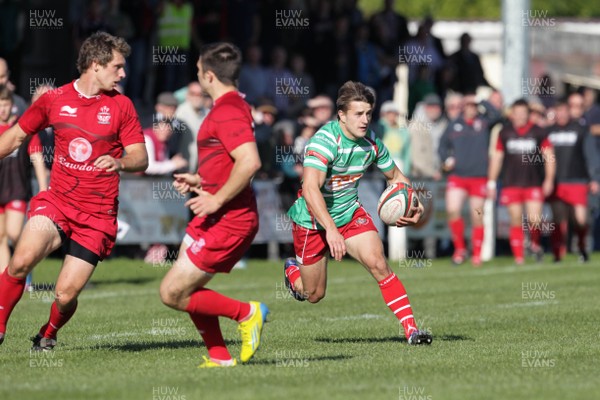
[526, 158]
[94, 125]
[226, 217]
[576, 172]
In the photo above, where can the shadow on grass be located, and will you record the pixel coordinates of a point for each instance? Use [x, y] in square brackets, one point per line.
[443, 338]
[291, 361]
[132, 281]
[148, 346]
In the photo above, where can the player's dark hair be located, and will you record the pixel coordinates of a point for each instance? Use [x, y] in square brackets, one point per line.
[99, 48]
[5, 93]
[354, 91]
[562, 102]
[222, 59]
[520, 103]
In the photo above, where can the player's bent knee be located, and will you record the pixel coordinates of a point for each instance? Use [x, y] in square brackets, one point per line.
[169, 298]
[315, 296]
[66, 298]
[379, 268]
[21, 264]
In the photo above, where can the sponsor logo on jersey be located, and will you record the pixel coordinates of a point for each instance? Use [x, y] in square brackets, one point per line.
[66, 111]
[104, 115]
[197, 246]
[521, 146]
[80, 167]
[563, 138]
[80, 149]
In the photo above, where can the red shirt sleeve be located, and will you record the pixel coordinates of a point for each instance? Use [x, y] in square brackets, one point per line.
[36, 116]
[130, 131]
[546, 144]
[35, 145]
[235, 129]
[499, 144]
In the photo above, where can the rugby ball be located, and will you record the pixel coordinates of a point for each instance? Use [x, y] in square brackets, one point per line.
[397, 200]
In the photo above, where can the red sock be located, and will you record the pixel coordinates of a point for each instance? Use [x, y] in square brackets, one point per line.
[535, 236]
[56, 321]
[396, 299]
[210, 330]
[563, 245]
[11, 290]
[210, 303]
[457, 229]
[557, 238]
[477, 240]
[292, 273]
[581, 235]
[516, 241]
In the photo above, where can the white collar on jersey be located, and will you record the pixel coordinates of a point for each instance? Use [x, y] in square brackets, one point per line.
[81, 94]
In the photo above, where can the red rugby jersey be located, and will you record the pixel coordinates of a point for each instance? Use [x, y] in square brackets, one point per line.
[228, 125]
[85, 128]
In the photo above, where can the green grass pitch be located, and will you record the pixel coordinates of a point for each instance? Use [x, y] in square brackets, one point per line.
[500, 332]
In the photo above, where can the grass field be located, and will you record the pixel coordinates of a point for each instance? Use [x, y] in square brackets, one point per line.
[500, 332]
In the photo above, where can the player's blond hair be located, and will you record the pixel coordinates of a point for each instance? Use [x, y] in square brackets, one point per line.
[354, 91]
[99, 48]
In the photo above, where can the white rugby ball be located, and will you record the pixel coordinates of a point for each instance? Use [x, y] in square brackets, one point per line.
[397, 200]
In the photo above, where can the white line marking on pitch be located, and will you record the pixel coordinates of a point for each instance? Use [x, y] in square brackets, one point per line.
[528, 304]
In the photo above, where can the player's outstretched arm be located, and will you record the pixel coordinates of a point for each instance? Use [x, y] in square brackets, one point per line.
[312, 181]
[37, 159]
[245, 164]
[549, 169]
[493, 172]
[135, 160]
[11, 139]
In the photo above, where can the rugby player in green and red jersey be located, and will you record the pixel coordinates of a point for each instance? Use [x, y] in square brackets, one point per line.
[329, 217]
